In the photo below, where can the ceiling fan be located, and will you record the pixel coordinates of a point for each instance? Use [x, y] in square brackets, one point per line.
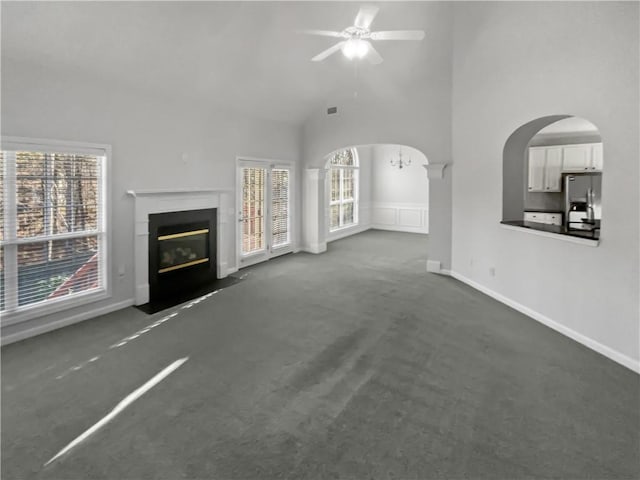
[356, 44]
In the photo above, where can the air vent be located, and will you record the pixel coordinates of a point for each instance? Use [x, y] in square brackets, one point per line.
[332, 110]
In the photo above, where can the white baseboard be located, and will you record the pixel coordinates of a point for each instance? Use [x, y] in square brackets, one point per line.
[399, 228]
[347, 232]
[48, 327]
[608, 352]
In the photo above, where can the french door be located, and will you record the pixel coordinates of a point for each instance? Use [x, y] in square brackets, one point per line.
[264, 221]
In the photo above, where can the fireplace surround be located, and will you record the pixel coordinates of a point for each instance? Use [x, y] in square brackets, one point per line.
[150, 202]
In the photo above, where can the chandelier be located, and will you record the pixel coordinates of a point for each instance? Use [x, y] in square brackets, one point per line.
[400, 162]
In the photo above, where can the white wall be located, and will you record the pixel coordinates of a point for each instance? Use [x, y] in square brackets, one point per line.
[149, 135]
[399, 197]
[515, 62]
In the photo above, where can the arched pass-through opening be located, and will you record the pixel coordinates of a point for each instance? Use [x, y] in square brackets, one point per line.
[381, 186]
[552, 176]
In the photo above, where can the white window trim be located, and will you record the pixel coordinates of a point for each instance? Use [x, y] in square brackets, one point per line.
[29, 312]
[356, 192]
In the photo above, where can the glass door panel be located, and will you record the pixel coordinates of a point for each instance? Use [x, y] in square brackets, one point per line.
[280, 223]
[253, 210]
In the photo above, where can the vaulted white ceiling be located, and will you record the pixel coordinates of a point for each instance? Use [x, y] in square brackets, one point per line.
[243, 55]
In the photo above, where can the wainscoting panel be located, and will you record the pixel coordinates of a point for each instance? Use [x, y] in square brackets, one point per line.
[410, 217]
[401, 217]
[384, 216]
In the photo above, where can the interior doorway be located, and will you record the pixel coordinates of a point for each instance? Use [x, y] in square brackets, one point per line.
[377, 186]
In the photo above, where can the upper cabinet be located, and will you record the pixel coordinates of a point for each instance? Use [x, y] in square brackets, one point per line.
[583, 157]
[545, 169]
[553, 170]
[596, 157]
[576, 158]
[546, 164]
[537, 162]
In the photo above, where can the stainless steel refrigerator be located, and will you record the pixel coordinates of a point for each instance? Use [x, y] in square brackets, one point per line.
[583, 192]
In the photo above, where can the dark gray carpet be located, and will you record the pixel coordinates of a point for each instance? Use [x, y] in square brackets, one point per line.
[352, 364]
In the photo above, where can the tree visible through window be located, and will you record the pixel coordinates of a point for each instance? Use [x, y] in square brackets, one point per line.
[51, 226]
[343, 199]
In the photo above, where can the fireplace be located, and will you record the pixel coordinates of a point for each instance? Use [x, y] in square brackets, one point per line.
[182, 251]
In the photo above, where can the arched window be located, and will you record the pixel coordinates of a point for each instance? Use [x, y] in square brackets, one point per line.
[343, 196]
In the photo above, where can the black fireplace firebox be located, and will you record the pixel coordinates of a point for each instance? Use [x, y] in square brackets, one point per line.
[182, 252]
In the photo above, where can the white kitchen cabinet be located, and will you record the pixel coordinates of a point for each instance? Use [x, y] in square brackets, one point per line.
[596, 157]
[544, 217]
[534, 217]
[576, 158]
[581, 158]
[545, 169]
[547, 164]
[554, 218]
[553, 170]
[537, 161]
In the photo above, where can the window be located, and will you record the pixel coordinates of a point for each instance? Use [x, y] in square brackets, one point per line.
[280, 207]
[343, 197]
[52, 225]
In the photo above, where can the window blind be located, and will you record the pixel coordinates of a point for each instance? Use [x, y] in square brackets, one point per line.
[52, 233]
[253, 185]
[279, 207]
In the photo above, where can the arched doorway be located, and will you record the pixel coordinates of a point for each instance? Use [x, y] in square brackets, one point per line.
[380, 186]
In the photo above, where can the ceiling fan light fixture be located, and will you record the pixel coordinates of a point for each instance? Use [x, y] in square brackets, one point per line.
[355, 48]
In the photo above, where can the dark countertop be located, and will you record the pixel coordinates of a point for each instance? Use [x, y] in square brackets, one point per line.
[559, 229]
[543, 210]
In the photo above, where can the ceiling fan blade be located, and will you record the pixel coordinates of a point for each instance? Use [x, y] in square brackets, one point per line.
[329, 51]
[365, 16]
[323, 33]
[372, 54]
[398, 35]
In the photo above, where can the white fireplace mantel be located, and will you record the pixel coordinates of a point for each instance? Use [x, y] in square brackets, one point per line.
[148, 202]
[155, 192]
